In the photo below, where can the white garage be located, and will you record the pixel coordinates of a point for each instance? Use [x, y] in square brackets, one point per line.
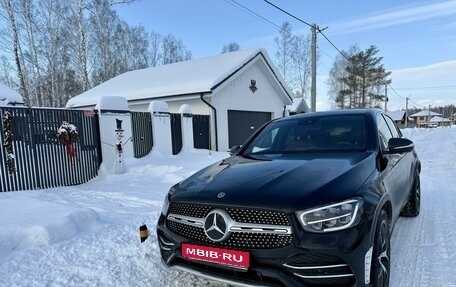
[239, 91]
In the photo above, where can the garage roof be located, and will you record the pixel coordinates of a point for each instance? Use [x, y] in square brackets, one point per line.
[182, 78]
[396, 115]
[9, 96]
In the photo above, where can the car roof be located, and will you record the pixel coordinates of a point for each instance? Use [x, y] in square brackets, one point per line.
[336, 112]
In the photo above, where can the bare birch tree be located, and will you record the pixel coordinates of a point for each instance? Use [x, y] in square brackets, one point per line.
[46, 42]
[154, 48]
[284, 44]
[230, 47]
[301, 66]
[8, 7]
[173, 50]
[82, 47]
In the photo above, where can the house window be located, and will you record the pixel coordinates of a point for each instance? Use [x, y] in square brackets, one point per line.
[421, 118]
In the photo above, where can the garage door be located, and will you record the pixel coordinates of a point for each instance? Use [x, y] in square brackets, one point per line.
[241, 124]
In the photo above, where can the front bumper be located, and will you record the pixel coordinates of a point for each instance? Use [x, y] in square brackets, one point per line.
[331, 259]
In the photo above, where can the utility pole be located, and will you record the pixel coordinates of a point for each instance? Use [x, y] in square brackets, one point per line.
[406, 111]
[313, 89]
[429, 116]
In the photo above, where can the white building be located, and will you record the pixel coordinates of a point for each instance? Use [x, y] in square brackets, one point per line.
[240, 91]
[423, 117]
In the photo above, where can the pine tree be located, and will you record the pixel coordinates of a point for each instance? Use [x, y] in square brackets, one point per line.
[358, 79]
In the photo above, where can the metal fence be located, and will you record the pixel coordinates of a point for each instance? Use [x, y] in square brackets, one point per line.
[201, 134]
[40, 160]
[176, 132]
[142, 137]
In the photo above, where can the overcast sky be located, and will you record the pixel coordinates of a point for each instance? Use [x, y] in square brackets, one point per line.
[417, 38]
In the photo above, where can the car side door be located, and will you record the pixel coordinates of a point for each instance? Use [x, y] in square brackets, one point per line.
[404, 166]
[392, 172]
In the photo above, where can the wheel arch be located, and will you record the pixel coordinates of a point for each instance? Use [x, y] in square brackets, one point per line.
[384, 205]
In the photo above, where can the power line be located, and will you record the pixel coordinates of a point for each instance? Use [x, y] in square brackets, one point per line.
[319, 49]
[312, 26]
[251, 12]
[397, 94]
[289, 14]
[405, 99]
[340, 52]
[429, 87]
[416, 103]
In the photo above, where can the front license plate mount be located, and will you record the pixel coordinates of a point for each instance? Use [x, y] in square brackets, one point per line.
[221, 256]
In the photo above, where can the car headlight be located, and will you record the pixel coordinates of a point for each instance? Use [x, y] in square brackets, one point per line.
[332, 217]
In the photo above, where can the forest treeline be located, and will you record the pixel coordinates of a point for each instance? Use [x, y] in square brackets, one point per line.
[53, 50]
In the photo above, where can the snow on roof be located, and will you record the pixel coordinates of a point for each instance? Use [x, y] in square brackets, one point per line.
[298, 105]
[438, 119]
[8, 95]
[396, 115]
[188, 77]
[425, 113]
[112, 103]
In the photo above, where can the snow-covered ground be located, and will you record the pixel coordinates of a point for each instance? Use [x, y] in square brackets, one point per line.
[87, 235]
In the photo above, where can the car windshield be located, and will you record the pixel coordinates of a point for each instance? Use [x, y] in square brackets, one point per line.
[311, 134]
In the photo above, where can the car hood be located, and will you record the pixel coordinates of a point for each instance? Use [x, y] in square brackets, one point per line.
[281, 183]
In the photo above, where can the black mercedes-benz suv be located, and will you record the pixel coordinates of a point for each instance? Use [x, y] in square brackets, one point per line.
[308, 200]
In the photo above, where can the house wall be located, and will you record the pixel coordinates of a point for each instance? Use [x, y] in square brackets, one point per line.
[236, 95]
[196, 105]
[420, 121]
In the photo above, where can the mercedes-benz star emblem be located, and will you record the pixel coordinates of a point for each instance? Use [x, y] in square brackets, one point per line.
[221, 194]
[215, 225]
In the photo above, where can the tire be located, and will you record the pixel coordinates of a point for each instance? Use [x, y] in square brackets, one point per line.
[381, 254]
[412, 207]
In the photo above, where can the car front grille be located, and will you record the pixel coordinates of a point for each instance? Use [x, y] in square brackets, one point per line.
[243, 215]
[192, 210]
[271, 228]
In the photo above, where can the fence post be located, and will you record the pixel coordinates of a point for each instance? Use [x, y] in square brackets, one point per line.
[115, 132]
[187, 127]
[161, 127]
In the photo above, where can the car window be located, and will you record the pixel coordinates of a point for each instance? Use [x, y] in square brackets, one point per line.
[265, 141]
[393, 128]
[384, 132]
[317, 133]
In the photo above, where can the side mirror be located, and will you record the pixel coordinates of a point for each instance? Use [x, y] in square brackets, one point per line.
[400, 145]
[234, 149]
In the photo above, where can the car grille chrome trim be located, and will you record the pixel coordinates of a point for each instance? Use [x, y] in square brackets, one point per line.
[315, 267]
[260, 228]
[323, 276]
[165, 245]
[234, 226]
[165, 242]
[188, 220]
